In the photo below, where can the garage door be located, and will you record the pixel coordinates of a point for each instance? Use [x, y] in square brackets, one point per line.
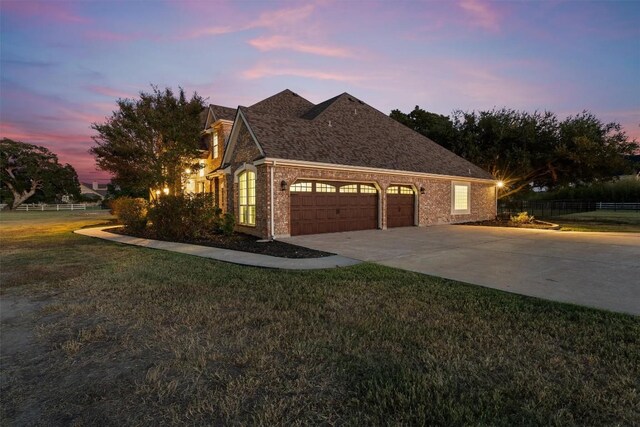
[400, 206]
[329, 207]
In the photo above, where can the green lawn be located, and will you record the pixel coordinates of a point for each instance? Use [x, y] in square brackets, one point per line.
[616, 221]
[125, 335]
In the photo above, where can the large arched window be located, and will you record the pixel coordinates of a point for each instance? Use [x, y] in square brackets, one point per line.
[247, 198]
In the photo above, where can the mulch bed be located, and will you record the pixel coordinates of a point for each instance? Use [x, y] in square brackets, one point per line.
[540, 225]
[240, 242]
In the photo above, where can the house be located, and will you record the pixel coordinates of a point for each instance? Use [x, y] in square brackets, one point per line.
[285, 166]
[93, 190]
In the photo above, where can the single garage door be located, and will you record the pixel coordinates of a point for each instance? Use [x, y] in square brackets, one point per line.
[329, 207]
[400, 206]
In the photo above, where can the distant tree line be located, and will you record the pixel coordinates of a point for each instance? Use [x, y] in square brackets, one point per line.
[530, 149]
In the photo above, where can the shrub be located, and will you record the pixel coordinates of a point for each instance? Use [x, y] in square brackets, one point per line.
[132, 213]
[522, 218]
[187, 216]
[227, 224]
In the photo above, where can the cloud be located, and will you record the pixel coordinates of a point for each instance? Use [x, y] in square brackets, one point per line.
[268, 43]
[261, 71]
[481, 14]
[110, 36]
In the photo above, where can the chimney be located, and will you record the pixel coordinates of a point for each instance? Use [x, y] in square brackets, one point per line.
[95, 185]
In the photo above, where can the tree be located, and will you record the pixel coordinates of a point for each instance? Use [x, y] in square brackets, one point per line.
[525, 149]
[27, 170]
[149, 142]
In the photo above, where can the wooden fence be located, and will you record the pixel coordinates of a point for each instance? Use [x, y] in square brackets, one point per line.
[551, 208]
[60, 207]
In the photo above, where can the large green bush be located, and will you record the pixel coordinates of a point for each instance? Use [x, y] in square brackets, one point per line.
[188, 216]
[131, 212]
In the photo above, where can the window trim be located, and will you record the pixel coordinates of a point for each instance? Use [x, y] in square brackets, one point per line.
[455, 184]
[247, 196]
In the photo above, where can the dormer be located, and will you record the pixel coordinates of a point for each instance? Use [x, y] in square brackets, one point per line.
[217, 128]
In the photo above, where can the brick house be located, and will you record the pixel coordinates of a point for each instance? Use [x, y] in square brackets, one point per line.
[285, 166]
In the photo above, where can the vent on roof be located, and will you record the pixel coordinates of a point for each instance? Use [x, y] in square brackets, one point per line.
[329, 123]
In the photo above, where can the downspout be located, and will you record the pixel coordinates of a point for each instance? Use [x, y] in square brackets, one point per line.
[273, 166]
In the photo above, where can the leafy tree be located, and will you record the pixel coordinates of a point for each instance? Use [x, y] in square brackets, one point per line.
[28, 170]
[437, 127]
[148, 142]
[530, 148]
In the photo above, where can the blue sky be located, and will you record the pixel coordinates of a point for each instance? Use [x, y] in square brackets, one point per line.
[64, 63]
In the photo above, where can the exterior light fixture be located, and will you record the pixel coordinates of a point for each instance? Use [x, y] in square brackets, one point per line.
[157, 192]
[166, 190]
[500, 184]
[283, 185]
[187, 171]
[422, 190]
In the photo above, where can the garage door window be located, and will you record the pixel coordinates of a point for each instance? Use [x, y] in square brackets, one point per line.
[325, 188]
[367, 189]
[302, 187]
[351, 188]
[247, 198]
[460, 203]
[392, 190]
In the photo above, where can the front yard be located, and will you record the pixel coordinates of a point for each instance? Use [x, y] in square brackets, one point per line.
[104, 334]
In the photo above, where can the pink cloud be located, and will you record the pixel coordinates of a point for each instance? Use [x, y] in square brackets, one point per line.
[268, 43]
[481, 14]
[60, 12]
[261, 71]
[110, 36]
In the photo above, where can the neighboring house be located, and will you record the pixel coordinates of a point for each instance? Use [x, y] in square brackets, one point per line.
[289, 167]
[93, 190]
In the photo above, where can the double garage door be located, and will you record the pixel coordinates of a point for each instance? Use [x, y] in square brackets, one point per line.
[329, 207]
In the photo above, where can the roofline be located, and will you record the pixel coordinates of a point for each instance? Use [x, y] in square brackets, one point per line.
[319, 165]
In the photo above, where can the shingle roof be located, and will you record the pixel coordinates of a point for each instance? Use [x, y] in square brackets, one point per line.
[284, 104]
[346, 131]
[222, 113]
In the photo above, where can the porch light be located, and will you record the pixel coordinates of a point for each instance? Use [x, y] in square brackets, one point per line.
[283, 185]
[166, 190]
[422, 190]
[500, 184]
[157, 192]
[187, 171]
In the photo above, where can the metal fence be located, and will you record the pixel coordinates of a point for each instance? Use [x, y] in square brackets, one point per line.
[551, 208]
[60, 207]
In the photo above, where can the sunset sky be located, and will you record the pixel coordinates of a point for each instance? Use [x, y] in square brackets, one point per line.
[64, 63]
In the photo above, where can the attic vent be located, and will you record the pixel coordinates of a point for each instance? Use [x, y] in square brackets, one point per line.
[329, 123]
[355, 111]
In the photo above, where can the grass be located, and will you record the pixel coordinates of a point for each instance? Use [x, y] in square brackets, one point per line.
[601, 220]
[126, 335]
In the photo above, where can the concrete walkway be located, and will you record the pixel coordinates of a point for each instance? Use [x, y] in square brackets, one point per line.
[594, 269]
[226, 255]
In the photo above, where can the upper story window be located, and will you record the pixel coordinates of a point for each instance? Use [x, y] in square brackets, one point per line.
[325, 188]
[247, 198]
[302, 187]
[460, 198]
[215, 145]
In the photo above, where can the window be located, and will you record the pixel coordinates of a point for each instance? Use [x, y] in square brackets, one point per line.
[367, 189]
[302, 187]
[351, 188]
[247, 198]
[393, 189]
[215, 145]
[325, 188]
[406, 190]
[460, 203]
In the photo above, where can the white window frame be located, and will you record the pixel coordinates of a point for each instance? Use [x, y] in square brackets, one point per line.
[455, 184]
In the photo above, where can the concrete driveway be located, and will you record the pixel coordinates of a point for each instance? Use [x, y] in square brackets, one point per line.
[594, 269]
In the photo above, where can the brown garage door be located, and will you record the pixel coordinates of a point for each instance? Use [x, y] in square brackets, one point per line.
[400, 206]
[329, 207]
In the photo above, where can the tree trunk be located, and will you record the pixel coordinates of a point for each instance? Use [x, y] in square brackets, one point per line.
[20, 197]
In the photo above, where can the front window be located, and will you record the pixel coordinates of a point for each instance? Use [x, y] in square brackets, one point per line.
[247, 198]
[460, 203]
[215, 145]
